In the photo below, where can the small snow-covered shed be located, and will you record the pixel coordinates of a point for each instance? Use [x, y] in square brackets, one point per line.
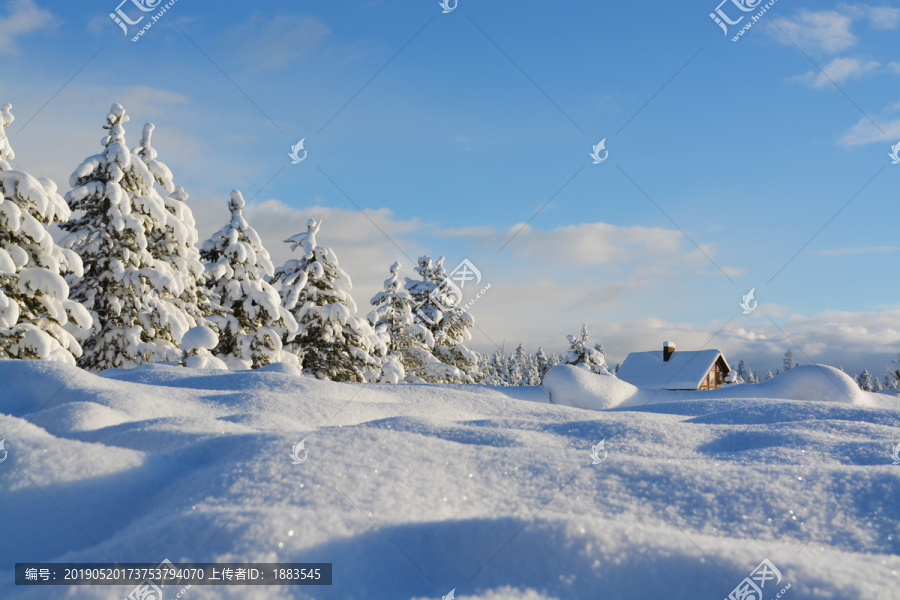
[670, 370]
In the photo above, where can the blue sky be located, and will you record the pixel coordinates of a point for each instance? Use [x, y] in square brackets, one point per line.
[728, 161]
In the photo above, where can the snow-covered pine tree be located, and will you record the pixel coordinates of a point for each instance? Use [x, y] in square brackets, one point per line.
[405, 337]
[116, 208]
[876, 385]
[35, 309]
[788, 360]
[255, 322]
[864, 381]
[527, 370]
[174, 242]
[448, 323]
[768, 375]
[742, 375]
[332, 340]
[542, 361]
[494, 369]
[581, 353]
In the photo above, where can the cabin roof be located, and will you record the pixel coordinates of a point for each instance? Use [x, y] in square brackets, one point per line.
[685, 370]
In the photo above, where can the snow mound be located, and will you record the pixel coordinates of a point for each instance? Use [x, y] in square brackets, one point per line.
[199, 337]
[578, 387]
[810, 382]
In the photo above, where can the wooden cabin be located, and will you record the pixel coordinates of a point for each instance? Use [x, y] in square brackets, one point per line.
[671, 370]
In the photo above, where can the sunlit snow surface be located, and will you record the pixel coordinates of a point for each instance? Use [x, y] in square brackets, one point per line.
[413, 490]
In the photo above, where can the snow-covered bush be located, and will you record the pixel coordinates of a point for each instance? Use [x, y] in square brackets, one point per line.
[252, 329]
[582, 354]
[35, 310]
[197, 346]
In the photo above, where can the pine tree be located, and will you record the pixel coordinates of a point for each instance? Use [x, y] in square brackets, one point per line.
[526, 372]
[742, 375]
[174, 242]
[35, 309]
[543, 363]
[495, 370]
[112, 192]
[436, 302]
[405, 337]
[769, 375]
[788, 360]
[581, 353]
[332, 340]
[251, 330]
[876, 385]
[864, 381]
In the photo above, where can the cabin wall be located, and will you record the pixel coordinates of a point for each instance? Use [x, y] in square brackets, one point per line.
[715, 378]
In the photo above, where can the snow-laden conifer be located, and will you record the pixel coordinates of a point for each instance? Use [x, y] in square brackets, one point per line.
[174, 241]
[115, 208]
[35, 310]
[407, 338]
[581, 353]
[254, 323]
[437, 306]
[332, 341]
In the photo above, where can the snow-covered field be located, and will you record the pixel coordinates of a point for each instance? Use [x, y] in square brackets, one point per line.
[414, 490]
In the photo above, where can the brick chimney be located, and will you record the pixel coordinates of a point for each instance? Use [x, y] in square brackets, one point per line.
[668, 350]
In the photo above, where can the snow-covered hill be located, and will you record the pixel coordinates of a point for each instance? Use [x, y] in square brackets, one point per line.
[414, 490]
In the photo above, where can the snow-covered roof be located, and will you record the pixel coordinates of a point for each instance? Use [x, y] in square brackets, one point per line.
[684, 370]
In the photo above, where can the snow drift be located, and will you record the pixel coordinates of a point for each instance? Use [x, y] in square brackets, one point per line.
[414, 490]
[574, 386]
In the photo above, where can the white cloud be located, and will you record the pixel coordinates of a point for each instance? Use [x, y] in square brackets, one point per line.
[829, 31]
[865, 132]
[878, 17]
[837, 71]
[270, 43]
[23, 17]
[817, 31]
